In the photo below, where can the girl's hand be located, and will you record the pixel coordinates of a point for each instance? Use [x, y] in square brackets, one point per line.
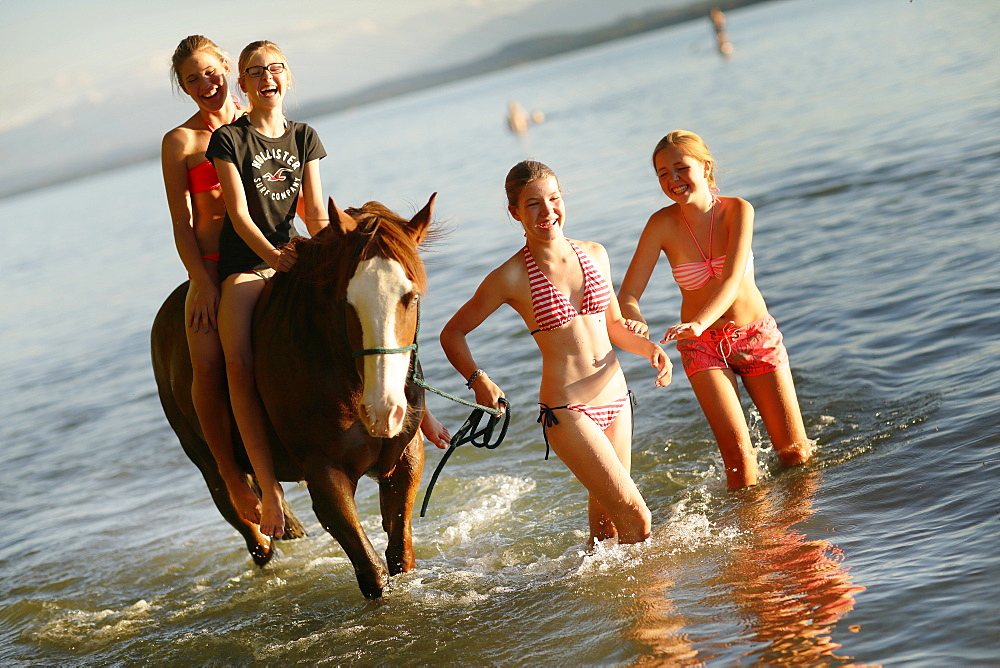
[637, 327]
[683, 330]
[283, 259]
[488, 393]
[205, 307]
[659, 361]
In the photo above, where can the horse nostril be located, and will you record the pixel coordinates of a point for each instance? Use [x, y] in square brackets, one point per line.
[367, 418]
[396, 418]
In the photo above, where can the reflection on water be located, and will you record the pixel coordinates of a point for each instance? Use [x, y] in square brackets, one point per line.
[876, 225]
[786, 591]
[659, 629]
[789, 589]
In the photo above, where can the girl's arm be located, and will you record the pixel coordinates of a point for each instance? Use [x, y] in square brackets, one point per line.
[624, 336]
[737, 255]
[175, 179]
[491, 295]
[647, 252]
[310, 205]
[239, 213]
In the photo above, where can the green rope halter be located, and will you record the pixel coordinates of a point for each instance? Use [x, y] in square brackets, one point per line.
[470, 431]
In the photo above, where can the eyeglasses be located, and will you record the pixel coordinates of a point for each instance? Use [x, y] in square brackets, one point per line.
[256, 71]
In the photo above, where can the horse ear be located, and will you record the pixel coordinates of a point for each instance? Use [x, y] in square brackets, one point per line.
[340, 218]
[420, 223]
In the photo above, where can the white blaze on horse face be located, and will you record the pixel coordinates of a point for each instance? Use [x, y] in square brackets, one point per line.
[375, 292]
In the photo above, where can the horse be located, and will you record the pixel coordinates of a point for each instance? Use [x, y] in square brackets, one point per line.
[332, 352]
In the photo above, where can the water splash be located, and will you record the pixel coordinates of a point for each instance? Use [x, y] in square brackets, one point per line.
[493, 497]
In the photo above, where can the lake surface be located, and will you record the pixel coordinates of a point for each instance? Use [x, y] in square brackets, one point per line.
[865, 134]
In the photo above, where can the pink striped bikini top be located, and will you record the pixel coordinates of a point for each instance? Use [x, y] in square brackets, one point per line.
[552, 309]
[694, 275]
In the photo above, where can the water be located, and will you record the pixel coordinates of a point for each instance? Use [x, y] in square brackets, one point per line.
[864, 134]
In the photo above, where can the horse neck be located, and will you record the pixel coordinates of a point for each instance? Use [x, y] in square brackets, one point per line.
[308, 311]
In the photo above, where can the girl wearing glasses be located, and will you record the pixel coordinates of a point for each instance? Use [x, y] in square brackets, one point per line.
[269, 169]
[265, 164]
[197, 209]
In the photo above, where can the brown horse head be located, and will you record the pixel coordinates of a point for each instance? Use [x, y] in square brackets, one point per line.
[370, 256]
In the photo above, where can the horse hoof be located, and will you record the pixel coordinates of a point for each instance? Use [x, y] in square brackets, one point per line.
[372, 594]
[261, 554]
[372, 589]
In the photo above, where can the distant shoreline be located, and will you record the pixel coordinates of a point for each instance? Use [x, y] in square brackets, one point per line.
[520, 52]
[516, 53]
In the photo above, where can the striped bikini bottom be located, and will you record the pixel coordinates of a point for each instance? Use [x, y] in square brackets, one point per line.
[602, 416]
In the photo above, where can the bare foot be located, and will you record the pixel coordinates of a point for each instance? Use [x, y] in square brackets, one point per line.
[434, 430]
[244, 500]
[272, 515]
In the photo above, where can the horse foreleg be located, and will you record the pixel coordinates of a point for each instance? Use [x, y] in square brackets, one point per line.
[332, 494]
[397, 494]
[258, 545]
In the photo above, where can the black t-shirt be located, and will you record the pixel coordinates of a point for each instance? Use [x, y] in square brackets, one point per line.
[272, 172]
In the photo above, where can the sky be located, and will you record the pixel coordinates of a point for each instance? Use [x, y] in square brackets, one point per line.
[94, 82]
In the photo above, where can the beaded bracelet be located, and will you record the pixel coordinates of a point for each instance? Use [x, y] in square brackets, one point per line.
[475, 374]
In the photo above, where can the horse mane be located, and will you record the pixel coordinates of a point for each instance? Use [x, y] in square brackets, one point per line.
[331, 256]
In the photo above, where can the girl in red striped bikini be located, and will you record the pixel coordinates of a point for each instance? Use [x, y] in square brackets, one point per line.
[725, 329]
[561, 288]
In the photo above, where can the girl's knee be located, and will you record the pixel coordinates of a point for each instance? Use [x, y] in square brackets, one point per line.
[644, 521]
[209, 369]
[635, 512]
[239, 369]
[636, 526]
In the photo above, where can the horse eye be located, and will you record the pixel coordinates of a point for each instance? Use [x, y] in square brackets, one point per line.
[409, 299]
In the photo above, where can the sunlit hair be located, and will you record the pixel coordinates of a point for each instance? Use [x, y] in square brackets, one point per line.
[521, 175]
[691, 144]
[253, 48]
[330, 257]
[188, 47]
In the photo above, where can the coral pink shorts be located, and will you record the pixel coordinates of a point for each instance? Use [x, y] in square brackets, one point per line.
[750, 350]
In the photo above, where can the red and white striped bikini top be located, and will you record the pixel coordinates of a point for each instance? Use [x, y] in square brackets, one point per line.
[552, 308]
[694, 275]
